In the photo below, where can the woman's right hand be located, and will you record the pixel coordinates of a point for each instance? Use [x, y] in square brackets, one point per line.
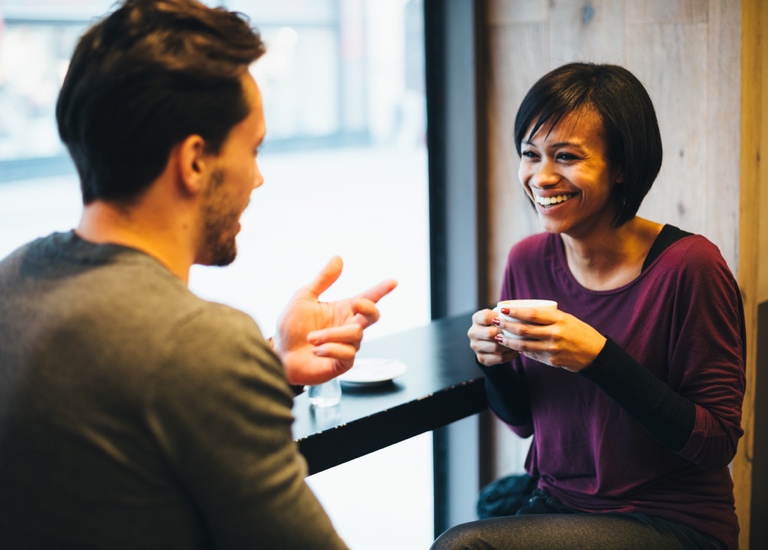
[482, 339]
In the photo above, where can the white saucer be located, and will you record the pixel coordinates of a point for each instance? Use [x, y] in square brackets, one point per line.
[367, 371]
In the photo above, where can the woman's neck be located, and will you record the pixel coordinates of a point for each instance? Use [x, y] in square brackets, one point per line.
[613, 257]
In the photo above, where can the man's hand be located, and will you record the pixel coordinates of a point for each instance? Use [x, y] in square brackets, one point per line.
[317, 341]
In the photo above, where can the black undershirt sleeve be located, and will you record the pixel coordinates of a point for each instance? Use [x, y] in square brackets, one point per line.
[507, 392]
[666, 415]
[668, 235]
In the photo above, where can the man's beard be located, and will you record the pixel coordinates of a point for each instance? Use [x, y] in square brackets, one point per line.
[220, 224]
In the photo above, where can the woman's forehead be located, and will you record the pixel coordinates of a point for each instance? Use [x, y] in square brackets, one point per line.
[581, 122]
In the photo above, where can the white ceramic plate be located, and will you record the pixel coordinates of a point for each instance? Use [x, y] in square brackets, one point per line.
[367, 371]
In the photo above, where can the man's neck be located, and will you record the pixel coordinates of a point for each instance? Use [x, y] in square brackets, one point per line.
[139, 228]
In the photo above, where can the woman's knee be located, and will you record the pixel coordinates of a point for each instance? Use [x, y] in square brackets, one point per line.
[466, 536]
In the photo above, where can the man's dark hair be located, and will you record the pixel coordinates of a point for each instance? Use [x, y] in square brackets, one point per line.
[630, 128]
[143, 79]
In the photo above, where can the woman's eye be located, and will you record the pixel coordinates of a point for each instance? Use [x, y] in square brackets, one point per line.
[529, 155]
[566, 156]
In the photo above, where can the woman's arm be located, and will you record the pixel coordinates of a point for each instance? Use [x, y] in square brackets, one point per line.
[506, 388]
[667, 416]
[508, 397]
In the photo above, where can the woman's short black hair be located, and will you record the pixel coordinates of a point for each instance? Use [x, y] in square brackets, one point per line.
[630, 128]
[143, 79]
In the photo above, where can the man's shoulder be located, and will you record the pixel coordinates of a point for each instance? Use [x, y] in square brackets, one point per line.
[109, 296]
[215, 347]
[215, 320]
[15, 256]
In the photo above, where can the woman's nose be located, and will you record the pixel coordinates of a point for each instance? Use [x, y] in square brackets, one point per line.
[545, 175]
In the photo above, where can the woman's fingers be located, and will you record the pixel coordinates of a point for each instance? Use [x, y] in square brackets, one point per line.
[483, 339]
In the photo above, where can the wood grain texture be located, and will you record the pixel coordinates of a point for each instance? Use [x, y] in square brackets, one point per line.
[753, 56]
[510, 12]
[667, 11]
[680, 96]
[586, 31]
[724, 119]
[761, 103]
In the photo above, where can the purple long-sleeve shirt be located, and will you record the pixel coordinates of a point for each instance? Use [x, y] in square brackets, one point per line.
[651, 426]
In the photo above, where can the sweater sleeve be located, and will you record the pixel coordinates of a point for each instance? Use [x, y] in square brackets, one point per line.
[221, 413]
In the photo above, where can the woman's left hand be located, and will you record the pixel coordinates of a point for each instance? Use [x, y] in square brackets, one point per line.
[552, 337]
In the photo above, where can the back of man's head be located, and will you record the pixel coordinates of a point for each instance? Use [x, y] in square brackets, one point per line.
[144, 78]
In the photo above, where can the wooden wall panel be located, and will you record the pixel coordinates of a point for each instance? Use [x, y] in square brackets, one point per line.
[758, 109]
[724, 121]
[589, 31]
[680, 96]
[667, 11]
[753, 60]
[512, 12]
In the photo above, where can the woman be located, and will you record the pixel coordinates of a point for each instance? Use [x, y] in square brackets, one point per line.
[632, 388]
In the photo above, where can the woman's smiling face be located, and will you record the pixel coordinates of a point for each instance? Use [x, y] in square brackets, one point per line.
[566, 173]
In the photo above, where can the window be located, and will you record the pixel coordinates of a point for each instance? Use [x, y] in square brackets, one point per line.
[345, 168]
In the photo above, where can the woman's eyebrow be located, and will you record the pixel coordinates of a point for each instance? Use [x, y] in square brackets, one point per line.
[576, 144]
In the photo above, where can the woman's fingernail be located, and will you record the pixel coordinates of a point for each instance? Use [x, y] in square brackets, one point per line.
[499, 338]
[505, 310]
[496, 322]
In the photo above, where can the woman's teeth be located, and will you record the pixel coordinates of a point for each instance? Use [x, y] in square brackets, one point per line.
[548, 201]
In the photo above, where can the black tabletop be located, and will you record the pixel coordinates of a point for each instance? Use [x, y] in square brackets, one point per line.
[441, 385]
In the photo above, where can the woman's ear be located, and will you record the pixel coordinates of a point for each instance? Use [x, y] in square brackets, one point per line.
[192, 163]
[619, 177]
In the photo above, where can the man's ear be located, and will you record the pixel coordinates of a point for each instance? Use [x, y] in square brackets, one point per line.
[193, 163]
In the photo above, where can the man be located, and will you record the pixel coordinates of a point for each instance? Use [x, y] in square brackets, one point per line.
[134, 414]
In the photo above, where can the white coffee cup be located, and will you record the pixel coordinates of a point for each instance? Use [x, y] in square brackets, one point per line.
[520, 304]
